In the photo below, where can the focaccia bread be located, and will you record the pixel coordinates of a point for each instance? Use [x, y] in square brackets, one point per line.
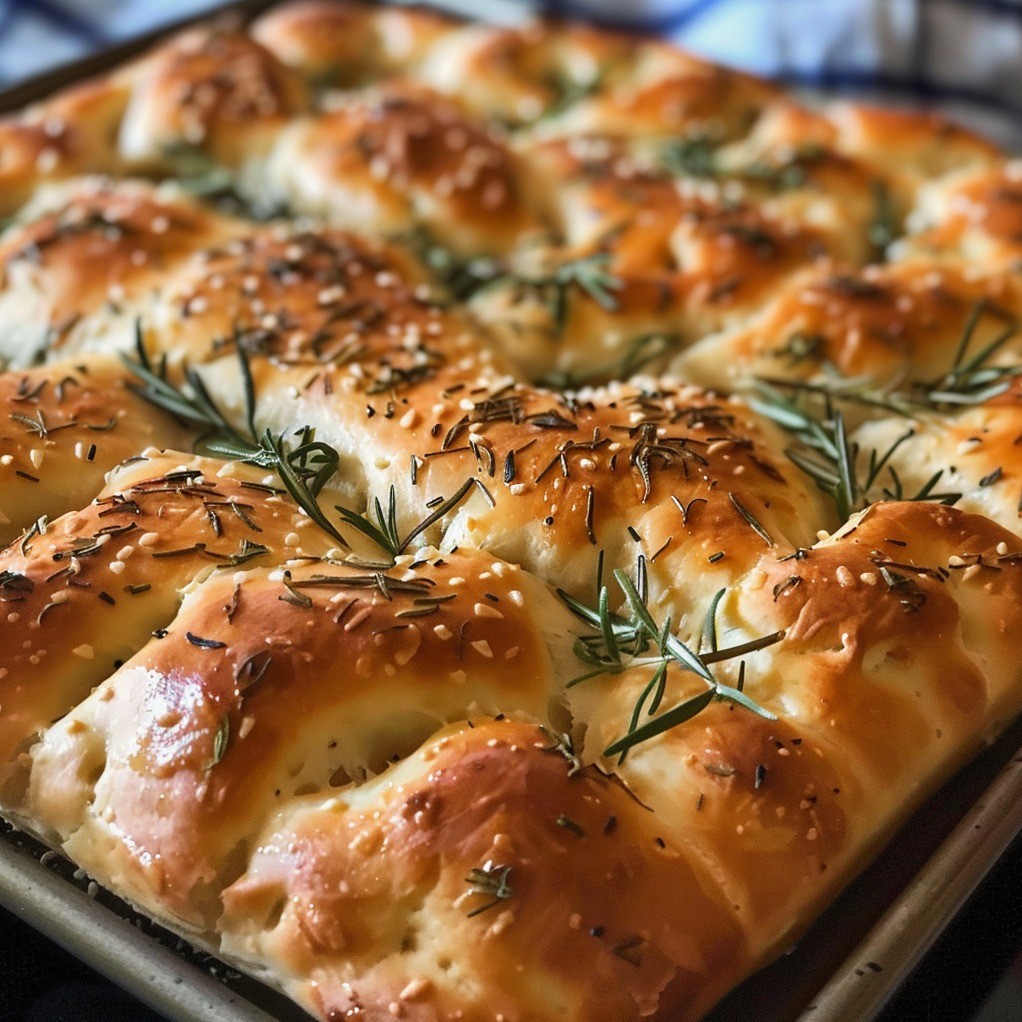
[502, 523]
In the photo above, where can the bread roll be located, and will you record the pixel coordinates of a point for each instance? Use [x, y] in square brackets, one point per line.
[82, 260]
[66, 425]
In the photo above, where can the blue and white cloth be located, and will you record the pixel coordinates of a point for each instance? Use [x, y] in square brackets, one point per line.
[962, 56]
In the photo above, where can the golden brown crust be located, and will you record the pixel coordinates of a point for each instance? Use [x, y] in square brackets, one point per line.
[976, 217]
[528, 74]
[213, 91]
[973, 450]
[62, 428]
[402, 158]
[791, 804]
[345, 44]
[345, 696]
[272, 683]
[85, 591]
[72, 133]
[693, 99]
[482, 799]
[307, 298]
[677, 466]
[897, 326]
[85, 259]
[910, 145]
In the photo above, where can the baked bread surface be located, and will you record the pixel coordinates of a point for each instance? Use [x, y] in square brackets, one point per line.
[502, 523]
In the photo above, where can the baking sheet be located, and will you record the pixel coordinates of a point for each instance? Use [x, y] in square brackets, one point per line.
[46, 891]
[846, 968]
[855, 957]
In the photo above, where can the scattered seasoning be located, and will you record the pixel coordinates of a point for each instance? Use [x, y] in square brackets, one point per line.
[252, 670]
[292, 596]
[785, 587]
[221, 740]
[907, 590]
[750, 520]
[562, 744]
[656, 553]
[616, 642]
[491, 880]
[14, 586]
[627, 950]
[590, 509]
[196, 640]
[569, 824]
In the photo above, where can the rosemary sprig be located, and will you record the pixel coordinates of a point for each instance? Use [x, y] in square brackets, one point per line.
[199, 175]
[883, 226]
[853, 477]
[459, 276]
[639, 353]
[848, 474]
[304, 470]
[383, 531]
[568, 91]
[588, 274]
[854, 390]
[195, 405]
[619, 643]
[972, 379]
[689, 156]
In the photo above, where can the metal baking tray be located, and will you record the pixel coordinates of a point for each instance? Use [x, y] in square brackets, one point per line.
[846, 968]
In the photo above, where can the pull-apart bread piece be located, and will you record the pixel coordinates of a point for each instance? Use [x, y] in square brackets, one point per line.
[63, 426]
[898, 327]
[572, 316]
[400, 158]
[73, 133]
[451, 582]
[342, 44]
[276, 682]
[81, 261]
[864, 711]
[348, 337]
[86, 591]
[975, 216]
[209, 93]
[482, 877]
